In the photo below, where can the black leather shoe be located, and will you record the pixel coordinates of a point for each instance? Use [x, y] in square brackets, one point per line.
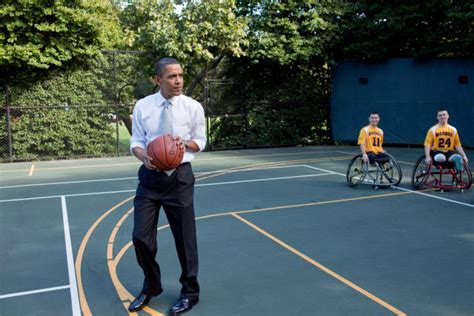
[183, 305]
[141, 301]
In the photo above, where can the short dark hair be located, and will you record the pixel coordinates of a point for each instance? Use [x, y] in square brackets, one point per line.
[375, 113]
[441, 110]
[162, 63]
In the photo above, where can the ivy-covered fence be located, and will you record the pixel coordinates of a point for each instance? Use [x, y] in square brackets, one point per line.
[33, 133]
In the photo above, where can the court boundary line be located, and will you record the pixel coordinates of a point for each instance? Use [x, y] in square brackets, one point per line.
[129, 178]
[76, 310]
[320, 266]
[329, 172]
[113, 262]
[261, 180]
[48, 289]
[402, 189]
[134, 190]
[198, 159]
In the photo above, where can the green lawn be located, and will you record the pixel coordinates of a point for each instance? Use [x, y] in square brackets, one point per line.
[124, 138]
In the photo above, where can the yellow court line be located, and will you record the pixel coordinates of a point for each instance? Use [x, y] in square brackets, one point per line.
[322, 267]
[267, 155]
[137, 163]
[272, 164]
[73, 167]
[83, 300]
[324, 202]
[126, 296]
[80, 253]
[406, 162]
[31, 170]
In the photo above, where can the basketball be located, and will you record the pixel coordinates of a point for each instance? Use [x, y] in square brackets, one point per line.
[166, 152]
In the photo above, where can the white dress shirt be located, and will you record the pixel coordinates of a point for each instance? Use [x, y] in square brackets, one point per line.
[188, 121]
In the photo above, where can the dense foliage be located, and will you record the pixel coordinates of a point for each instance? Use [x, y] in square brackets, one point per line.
[274, 56]
[376, 30]
[200, 34]
[44, 34]
[46, 47]
[46, 122]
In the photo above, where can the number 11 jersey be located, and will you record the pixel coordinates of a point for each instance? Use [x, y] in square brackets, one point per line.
[372, 138]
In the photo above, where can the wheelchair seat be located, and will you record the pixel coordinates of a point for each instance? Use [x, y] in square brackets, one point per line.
[380, 160]
[380, 172]
[440, 175]
[443, 165]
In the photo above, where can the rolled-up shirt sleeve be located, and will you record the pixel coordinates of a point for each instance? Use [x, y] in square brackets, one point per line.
[198, 130]
[138, 138]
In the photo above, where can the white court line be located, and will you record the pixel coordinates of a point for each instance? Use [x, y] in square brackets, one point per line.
[128, 191]
[66, 195]
[402, 189]
[49, 289]
[329, 172]
[65, 182]
[76, 310]
[265, 179]
[132, 178]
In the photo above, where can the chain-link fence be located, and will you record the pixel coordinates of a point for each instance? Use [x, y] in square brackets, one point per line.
[235, 121]
[63, 132]
[80, 112]
[86, 112]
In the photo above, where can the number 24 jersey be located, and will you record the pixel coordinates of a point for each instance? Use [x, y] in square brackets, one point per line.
[444, 138]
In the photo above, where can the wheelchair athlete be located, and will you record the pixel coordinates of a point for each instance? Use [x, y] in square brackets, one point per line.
[387, 172]
[371, 141]
[441, 141]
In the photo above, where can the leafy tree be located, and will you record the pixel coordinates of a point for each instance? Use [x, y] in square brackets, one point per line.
[375, 30]
[39, 39]
[283, 79]
[44, 34]
[63, 115]
[290, 32]
[198, 33]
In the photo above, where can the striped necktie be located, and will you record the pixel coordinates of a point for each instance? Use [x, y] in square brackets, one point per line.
[165, 125]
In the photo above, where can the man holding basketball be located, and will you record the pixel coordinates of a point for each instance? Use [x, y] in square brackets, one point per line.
[174, 190]
[371, 140]
[441, 141]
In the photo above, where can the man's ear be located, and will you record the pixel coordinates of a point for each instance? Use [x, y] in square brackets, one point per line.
[156, 79]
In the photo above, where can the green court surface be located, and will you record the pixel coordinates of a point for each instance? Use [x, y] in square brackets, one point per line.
[279, 233]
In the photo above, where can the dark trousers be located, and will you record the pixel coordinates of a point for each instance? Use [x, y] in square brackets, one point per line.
[176, 194]
[380, 157]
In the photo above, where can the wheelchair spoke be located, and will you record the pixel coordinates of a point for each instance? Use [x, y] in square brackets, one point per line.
[356, 171]
[421, 172]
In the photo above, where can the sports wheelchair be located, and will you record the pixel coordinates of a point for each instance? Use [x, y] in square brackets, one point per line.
[379, 173]
[440, 175]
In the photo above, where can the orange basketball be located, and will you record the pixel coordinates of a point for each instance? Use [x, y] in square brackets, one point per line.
[166, 152]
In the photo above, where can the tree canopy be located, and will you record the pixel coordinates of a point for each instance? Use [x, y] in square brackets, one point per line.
[46, 34]
[198, 33]
[420, 29]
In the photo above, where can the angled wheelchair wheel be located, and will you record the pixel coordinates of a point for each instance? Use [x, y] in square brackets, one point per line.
[465, 177]
[420, 173]
[392, 171]
[356, 171]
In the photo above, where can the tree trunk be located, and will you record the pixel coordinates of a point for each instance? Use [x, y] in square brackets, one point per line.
[202, 74]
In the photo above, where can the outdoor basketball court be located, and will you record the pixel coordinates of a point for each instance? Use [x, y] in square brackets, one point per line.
[279, 233]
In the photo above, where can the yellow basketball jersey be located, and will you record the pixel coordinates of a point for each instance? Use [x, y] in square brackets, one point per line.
[372, 138]
[442, 138]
